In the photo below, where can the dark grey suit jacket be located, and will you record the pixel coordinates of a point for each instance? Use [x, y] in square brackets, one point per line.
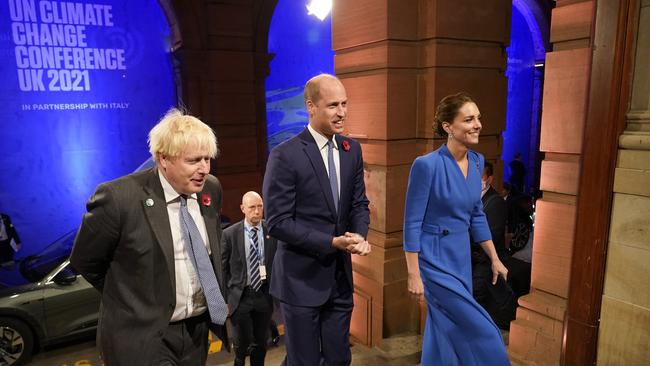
[124, 248]
[234, 261]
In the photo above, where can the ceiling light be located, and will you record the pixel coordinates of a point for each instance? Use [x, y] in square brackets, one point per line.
[319, 8]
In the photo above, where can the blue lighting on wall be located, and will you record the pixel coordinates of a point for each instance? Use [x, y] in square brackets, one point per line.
[524, 90]
[77, 108]
[302, 47]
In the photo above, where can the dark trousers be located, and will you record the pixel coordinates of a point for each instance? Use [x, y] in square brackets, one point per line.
[518, 275]
[185, 343]
[318, 335]
[251, 321]
[6, 251]
[498, 300]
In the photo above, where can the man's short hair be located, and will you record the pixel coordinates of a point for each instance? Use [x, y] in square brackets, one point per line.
[488, 170]
[177, 130]
[312, 87]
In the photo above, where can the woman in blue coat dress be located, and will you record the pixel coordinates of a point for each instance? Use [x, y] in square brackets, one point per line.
[443, 208]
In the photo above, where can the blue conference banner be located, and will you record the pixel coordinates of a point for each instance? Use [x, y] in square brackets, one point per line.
[302, 47]
[82, 84]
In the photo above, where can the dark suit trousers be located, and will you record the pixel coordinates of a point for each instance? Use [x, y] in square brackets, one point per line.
[185, 343]
[319, 335]
[498, 300]
[251, 322]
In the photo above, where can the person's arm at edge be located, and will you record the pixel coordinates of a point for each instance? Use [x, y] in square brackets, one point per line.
[417, 197]
[480, 231]
[359, 212]
[97, 237]
[226, 253]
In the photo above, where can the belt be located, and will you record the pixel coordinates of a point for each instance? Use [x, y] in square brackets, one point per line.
[193, 320]
[250, 290]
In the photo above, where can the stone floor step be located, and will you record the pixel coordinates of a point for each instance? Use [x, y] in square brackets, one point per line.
[531, 344]
[547, 325]
[516, 359]
[544, 303]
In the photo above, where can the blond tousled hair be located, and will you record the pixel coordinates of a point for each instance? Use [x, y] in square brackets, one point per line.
[178, 130]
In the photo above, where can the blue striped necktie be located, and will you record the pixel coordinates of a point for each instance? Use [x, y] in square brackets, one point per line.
[254, 261]
[198, 254]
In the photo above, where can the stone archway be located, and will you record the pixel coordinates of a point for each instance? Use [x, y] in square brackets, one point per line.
[223, 61]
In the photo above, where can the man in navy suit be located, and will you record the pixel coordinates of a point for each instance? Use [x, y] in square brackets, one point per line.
[317, 209]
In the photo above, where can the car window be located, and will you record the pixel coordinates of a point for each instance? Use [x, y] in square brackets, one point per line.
[35, 267]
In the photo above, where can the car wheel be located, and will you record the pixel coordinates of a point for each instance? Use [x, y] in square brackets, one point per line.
[16, 342]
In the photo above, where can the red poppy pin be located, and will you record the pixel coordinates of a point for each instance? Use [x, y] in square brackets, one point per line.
[206, 200]
[346, 145]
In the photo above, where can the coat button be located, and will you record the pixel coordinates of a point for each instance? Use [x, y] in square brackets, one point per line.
[160, 333]
[445, 232]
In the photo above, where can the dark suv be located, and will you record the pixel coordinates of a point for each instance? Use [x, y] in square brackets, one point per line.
[43, 301]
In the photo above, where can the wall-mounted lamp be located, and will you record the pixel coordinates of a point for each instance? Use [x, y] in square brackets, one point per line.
[319, 8]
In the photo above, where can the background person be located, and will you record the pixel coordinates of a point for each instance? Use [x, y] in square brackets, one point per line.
[9, 240]
[517, 173]
[497, 299]
[247, 253]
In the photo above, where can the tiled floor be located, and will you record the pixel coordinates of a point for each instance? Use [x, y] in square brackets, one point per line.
[397, 351]
[403, 350]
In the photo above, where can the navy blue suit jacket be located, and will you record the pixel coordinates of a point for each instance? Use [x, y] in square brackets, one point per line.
[300, 214]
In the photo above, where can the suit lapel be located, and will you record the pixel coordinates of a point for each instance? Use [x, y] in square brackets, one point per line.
[155, 208]
[212, 227]
[210, 220]
[240, 242]
[267, 247]
[311, 149]
[344, 174]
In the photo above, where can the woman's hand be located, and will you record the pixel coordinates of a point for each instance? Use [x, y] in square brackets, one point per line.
[415, 286]
[498, 269]
[414, 282]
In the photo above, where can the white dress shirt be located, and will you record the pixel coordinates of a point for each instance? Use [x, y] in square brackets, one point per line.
[321, 142]
[190, 300]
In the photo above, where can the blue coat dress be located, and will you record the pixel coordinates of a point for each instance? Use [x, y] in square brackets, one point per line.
[442, 209]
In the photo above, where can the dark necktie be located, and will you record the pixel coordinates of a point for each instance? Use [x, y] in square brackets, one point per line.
[198, 254]
[332, 170]
[254, 261]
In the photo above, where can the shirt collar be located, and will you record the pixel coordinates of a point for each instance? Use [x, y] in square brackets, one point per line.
[321, 141]
[248, 226]
[170, 192]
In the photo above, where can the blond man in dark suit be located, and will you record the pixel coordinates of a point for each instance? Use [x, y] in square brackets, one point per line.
[150, 243]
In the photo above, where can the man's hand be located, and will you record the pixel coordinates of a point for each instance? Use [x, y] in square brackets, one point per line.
[346, 242]
[352, 243]
[362, 247]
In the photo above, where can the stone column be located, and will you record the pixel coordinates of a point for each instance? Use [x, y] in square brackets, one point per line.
[224, 62]
[625, 313]
[397, 59]
[536, 333]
